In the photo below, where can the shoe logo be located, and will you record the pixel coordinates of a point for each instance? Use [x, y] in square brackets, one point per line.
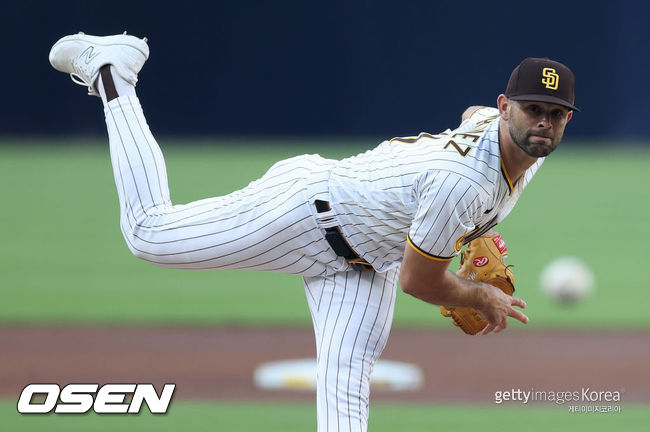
[88, 54]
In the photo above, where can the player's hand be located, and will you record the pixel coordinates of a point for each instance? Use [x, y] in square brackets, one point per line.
[497, 307]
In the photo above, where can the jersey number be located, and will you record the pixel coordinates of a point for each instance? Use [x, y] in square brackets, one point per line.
[462, 152]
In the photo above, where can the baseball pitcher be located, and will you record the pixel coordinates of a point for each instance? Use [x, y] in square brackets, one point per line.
[351, 228]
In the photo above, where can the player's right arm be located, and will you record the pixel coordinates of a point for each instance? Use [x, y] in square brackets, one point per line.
[429, 280]
[448, 206]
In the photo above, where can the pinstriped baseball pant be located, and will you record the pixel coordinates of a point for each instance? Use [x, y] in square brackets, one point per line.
[269, 225]
[352, 314]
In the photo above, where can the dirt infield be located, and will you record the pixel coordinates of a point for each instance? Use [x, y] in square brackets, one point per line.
[218, 363]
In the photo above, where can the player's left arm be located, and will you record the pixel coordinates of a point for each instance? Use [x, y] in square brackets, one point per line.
[469, 111]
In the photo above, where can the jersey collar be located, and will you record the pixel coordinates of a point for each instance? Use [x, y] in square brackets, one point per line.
[504, 172]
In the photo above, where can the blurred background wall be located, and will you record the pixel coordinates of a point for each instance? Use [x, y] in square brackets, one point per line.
[336, 68]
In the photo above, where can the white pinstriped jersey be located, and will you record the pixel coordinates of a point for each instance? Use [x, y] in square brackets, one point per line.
[440, 191]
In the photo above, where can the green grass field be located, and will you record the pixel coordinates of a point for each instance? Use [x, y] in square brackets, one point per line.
[300, 417]
[63, 258]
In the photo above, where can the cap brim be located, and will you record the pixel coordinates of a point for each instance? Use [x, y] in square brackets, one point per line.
[544, 98]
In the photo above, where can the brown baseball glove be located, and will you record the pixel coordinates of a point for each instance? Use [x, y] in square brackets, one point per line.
[483, 261]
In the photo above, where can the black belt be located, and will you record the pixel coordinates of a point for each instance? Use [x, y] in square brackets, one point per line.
[338, 244]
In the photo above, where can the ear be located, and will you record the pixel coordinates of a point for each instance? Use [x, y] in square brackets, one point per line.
[569, 116]
[503, 103]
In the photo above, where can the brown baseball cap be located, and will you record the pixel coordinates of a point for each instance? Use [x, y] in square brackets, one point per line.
[543, 80]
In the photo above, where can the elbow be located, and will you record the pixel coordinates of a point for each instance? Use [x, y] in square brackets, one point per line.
[413, 292]
[405, 282]
[412, 286]
[406, 285]
[423, 289]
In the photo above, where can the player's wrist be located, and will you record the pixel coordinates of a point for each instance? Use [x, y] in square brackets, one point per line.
[459, 292]
[478, 294]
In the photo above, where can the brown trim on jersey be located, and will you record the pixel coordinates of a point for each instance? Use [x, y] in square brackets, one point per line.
[477, 232]
[414, 139]
[425, 254]
[506, 176]
[480, 107]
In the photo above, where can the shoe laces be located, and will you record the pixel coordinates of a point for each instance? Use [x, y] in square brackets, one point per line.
[77, 79]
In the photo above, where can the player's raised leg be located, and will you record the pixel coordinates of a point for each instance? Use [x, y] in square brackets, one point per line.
[269, 225]
[352, 314]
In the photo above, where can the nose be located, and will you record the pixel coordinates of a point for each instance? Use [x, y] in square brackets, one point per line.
[544, 122]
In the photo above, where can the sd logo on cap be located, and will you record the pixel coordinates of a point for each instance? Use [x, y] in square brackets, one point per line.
[543, 80]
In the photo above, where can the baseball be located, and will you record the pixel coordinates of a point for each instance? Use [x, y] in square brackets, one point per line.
[567, 280]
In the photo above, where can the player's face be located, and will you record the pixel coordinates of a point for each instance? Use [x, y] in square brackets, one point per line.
[537, 127]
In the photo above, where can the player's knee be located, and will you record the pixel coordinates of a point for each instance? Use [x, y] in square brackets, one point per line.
[157, 252]
[135, 247]
[138, 253]
[139, 248]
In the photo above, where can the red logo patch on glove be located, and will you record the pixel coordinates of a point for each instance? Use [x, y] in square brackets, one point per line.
[480, 261]
[500, 244]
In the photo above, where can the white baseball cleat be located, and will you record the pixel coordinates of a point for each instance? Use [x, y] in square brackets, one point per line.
[82, 56]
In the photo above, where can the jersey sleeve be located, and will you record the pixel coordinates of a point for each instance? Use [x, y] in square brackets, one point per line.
[447, 206]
